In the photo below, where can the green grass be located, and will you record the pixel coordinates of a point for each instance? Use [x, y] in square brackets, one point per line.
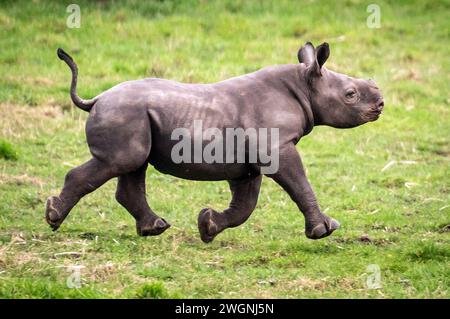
[403, 209]
[7, 151]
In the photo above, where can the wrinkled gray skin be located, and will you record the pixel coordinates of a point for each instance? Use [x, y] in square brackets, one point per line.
[130, 125]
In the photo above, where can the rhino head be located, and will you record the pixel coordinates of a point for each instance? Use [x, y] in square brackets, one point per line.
[338, 100]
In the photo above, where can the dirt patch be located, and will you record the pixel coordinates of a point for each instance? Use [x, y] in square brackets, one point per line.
[348, 283]
[21, 180]
[364, 240]
[306, 283]
[387, 229]
[103, 272]
[22, 121]
[13, 259]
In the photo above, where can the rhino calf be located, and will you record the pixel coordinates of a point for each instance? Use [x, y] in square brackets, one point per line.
[132, 125]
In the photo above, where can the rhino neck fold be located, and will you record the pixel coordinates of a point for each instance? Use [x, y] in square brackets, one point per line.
[297, 87]
[307, 111]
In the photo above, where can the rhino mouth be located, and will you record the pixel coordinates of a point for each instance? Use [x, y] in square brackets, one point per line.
[372, 114]
[375, 114]
[376, 110]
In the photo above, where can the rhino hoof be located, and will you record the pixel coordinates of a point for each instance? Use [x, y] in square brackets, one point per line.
[206, 226]
[52, 214]
[323, 229]
[153, 229]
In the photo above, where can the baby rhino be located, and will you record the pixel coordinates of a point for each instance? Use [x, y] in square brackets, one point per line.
[140, 122]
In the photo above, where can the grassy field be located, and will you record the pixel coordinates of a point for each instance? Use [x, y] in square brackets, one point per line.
[397, 218]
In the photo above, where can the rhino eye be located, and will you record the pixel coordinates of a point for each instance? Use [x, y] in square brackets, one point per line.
[350, 94]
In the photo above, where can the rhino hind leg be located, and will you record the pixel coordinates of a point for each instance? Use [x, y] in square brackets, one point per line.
[244, 198]
[117, 151]
[79, 181]
[131, 195]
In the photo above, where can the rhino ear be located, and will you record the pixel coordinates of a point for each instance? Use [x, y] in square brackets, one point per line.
[306, 54]
[314, 59]
[322, 54]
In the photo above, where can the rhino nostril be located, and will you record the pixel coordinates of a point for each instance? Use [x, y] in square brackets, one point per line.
[380, 104]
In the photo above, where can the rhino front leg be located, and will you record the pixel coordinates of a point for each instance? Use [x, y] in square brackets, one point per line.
[131, 195]
[291, 176]
[244, 198]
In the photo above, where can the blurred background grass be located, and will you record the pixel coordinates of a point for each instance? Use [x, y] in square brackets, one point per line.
[403, 210]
